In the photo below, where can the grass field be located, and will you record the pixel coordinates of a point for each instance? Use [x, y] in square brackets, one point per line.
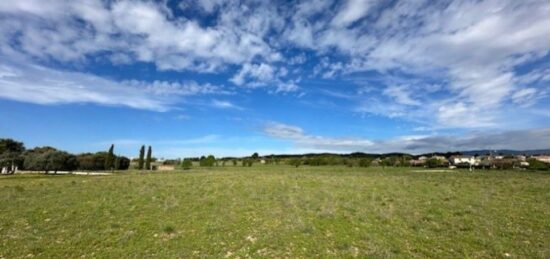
[277, 211]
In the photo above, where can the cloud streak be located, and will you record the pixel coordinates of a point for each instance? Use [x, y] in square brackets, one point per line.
[516, 140]
[41, 85]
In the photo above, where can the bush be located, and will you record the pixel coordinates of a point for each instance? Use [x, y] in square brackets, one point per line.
[248, 162]
[504, 163]
[295, 162]
[535, 164]
[433, 163]
[364, 162]
[122, 163]
[207, 161]
[186, 164]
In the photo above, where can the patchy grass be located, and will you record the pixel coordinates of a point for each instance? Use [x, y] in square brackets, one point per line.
[277, 211]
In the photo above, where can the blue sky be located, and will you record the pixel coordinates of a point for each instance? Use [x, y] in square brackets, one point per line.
[234, 77]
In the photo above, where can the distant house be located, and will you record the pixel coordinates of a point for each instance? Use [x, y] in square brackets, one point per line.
[463, 160]
[543, 158]
[442, 158]
[524, 164]
[417, 162]
[521, 158]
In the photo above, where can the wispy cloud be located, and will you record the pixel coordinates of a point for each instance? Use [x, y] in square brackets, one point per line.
[222, 104]
[42, 85]
[415, 144]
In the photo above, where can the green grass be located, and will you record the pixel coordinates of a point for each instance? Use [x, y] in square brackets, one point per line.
[277, 211]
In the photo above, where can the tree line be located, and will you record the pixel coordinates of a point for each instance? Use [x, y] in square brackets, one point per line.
[14, 156]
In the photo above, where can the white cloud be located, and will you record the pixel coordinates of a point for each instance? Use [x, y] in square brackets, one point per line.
[351, 12]
[145, 31]
[297, 135]
[470, 49]
[41, 85]
[260, 74]
[225, 105]
[417, 144]
[401, 95]
[525, 97]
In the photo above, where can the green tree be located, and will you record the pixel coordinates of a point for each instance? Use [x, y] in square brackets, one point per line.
[207, 161]
[11, 154]
[50, 160]
[433, 163]
[59, 161]
[123, 163]
[296, 162]
[535, 164]
[255, 156]
[186, 164]
[33, 160]
[234, 162]
[91, 162]
[110, 158]
[141, 157]
[365, 162]
[148, 160]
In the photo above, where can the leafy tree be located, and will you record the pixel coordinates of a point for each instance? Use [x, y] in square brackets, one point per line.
[186, 164]
[365, 162]
[535, 164]
[148, 160]
[506, 163]
[58, 161]
[207, 161]
[50, 160]
[255, 156]
[117, 163]
[11, 154]
[234, 162]
[141, 157]
[433, 163]
[91, 162]
[295, 162]
[122, 163]
[110, 158]
[33, 160]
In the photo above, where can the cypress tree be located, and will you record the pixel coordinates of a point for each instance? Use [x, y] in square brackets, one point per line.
[141, 156]
[148, 161]
[110, 159]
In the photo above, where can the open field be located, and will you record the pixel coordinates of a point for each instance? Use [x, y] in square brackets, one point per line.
[277, 211]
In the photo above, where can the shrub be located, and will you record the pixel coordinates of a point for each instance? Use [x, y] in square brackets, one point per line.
[295, 162]
[207, 161]
[186, 164]
[433, 163]
[535, 164]
[364, 162]
[504, 163]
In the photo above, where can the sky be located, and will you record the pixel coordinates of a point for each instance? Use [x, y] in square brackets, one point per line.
[230, 78]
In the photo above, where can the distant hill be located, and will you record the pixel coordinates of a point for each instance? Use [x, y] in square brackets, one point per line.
[506, 152]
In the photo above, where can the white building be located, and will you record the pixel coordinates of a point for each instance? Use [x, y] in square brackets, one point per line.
[456, 160]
